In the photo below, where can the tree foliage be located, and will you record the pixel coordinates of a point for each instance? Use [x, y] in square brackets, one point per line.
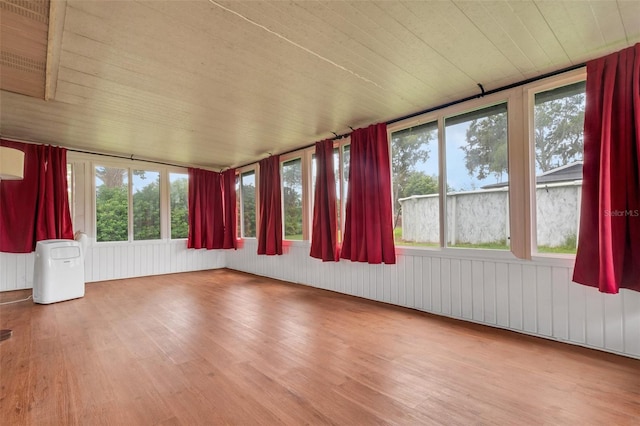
[486, 148]
[146, 211]
[112, 213]
[179, 208]
[249, 209]
[292, 198]
[408, 150]
[558, 138]
[419, 183]
[559, 131]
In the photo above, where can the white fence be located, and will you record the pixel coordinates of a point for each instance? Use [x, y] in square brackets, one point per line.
[482, 216]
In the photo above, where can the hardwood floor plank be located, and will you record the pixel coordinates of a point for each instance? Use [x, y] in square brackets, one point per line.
[224, 347]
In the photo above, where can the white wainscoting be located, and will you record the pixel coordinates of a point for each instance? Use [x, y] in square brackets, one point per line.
[118, 260]
[533, 297]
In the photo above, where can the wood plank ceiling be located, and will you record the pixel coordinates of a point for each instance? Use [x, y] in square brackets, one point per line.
[221, 83]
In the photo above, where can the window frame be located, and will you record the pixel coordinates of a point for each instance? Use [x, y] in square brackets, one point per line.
[84, 194]
[167, 195]
[239, 172]
[297, 155]
[529, 92]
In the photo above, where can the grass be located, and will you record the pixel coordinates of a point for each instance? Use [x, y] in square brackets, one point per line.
[569, 246]
[493, 245]
[397, 237]
[296, 237]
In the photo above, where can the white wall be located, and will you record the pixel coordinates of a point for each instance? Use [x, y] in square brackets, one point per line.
[534, 297]
[118, 260]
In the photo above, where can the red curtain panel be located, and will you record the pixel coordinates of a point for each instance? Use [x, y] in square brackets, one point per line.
[270, 229]
[608, 254]
[324, 239]
[229, 199]
[206, 214]
[368, 235]
[37, 207]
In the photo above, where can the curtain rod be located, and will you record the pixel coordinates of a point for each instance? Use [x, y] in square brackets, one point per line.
[448, 104]
[127, 158]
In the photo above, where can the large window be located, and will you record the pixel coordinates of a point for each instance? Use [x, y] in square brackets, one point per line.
[112, 204]
[248, 203]
[178, 196]
[145, 186]
[292, 199]
[477, 179]
[414, 160]
[558, 136]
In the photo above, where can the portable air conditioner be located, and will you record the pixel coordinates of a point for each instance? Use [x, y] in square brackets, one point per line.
[59, 271]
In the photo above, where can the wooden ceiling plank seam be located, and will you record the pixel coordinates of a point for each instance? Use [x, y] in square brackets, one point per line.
[408, 51]
[576, 37]
[301, 52]
[164, 107]
[381, 100]
[500, 32]
[443, 65]
[630, 16]
[310, 76]
[370, 51]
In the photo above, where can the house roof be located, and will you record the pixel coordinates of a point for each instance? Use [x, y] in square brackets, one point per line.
[218, 83]
[568, 173]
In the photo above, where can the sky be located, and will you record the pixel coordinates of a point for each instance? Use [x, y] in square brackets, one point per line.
[457, 175]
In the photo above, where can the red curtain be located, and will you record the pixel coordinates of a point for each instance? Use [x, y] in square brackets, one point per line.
[229, 198]
[324, 232]
[206, 214]
[270, 230]
[608, 254]
[36, 207]
[368, 235]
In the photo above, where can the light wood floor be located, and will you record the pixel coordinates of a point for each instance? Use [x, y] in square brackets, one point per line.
[223, 347]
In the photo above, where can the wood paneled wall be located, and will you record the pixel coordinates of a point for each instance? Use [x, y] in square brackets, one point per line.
[534, 297]
[115, 261]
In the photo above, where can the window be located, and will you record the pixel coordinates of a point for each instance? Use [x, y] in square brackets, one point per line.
[292, 199]
[248, 203]
[146, 205]
[414, 161]
[178, 195]
[341, 196]
[238, 209]
[558, 135]
[71, 191]
[112, 204]
[477, 179]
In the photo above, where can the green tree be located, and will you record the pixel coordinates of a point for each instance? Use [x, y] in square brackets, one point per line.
[419, 183]
[249, 209]
[292, 198]
[146, 211]
[559, 131]
[486, 148]
[112, 213]
[409, 148]
[558, 138]
[179, 208]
